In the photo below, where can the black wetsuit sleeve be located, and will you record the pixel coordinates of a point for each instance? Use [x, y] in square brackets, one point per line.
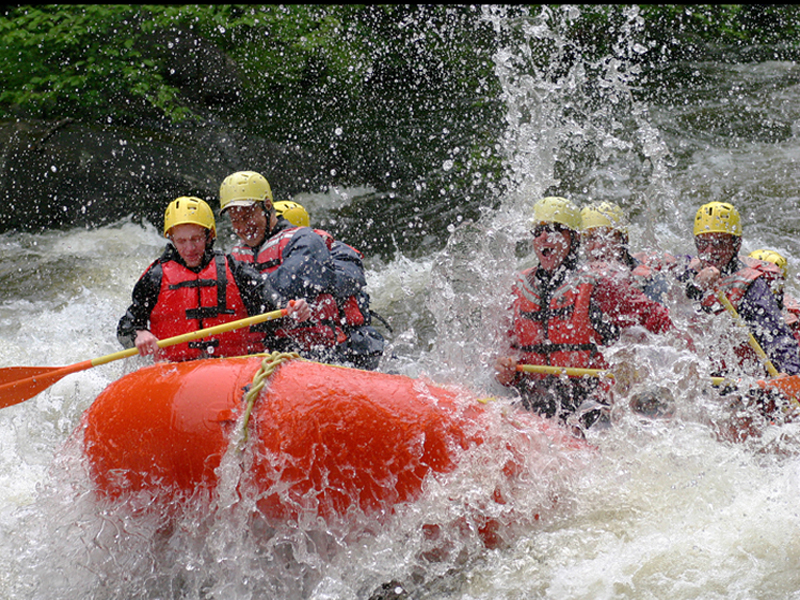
[144, 298]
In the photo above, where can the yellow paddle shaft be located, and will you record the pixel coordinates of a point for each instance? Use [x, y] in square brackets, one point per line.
[773, 372]
[569, 371]
[575, 372]
[194, 335]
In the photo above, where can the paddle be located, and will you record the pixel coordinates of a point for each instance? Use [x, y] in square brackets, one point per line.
[788, 385]
[569, 371]
[750, 338]
[18, 384]
[575, 372]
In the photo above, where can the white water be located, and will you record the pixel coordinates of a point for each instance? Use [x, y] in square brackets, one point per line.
[665, 509]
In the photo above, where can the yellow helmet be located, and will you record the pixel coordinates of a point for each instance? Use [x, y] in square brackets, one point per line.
[244, 188]
[188, 209]
[773, 257]
[604, 214]
[556, 210]
[293, 212]
[718, 217]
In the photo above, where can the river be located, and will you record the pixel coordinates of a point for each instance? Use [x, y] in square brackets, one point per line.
[666, 507]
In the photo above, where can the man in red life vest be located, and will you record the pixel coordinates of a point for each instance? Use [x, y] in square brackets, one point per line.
[192, 287]
[563, 316]
[294, 260]
[718, 267]
[775, 267]
[364, 345]
[604, 240]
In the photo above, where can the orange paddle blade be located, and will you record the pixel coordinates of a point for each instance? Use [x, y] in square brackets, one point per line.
[18, 384]
[13, 374]
[32, 380]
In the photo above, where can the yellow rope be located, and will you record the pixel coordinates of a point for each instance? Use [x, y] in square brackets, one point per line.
[268, 365]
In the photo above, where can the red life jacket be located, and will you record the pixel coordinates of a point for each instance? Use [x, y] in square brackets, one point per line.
[327, 237]
[642, 272]
[650, 264]
[322, 328]
[189, 301]
[771, 272]
[561, 333]
[612, 269]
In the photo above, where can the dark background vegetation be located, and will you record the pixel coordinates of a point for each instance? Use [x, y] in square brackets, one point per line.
[113, 110]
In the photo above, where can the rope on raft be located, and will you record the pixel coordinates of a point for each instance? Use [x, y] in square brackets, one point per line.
[268, 365]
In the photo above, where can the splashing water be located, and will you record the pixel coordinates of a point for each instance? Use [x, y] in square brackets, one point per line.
[666, 507]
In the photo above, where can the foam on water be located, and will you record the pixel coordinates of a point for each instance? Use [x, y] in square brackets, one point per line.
[666, 506]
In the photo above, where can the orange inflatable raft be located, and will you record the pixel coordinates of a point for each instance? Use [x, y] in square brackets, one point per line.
[319, 437]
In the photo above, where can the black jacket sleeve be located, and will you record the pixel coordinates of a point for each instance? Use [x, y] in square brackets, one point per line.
[144, 296]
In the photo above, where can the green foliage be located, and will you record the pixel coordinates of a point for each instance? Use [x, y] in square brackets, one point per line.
[74, 60]
[395, 94]
[101, 61]
[725, 23]
[403, 97]
[97, 60]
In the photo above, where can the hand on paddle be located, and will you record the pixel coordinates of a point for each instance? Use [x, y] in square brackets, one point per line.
[146, 343]
[299, 310]
[506, 367]
[18, 384]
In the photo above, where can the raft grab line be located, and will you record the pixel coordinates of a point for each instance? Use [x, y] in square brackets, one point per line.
[268, 366]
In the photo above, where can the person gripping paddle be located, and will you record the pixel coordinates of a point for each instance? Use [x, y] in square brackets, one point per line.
[191, 287]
